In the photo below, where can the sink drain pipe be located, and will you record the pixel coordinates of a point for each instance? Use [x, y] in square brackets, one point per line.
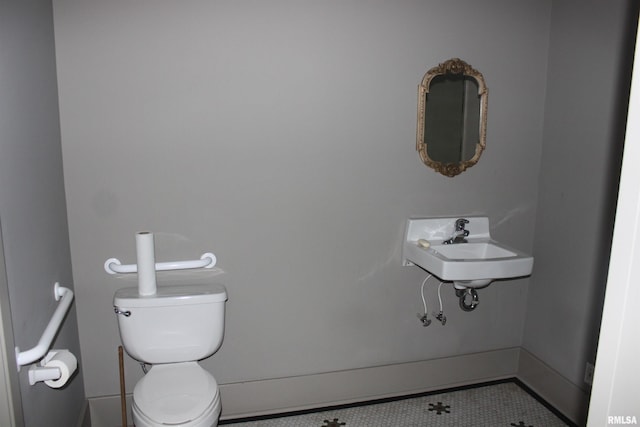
[468, 299]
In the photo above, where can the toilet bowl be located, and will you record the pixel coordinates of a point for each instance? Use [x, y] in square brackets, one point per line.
[172, 330]
[182, 394]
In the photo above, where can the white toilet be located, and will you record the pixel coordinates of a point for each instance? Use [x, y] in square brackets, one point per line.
[172, 330]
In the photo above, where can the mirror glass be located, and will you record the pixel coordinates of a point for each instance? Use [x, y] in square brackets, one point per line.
[452, 117]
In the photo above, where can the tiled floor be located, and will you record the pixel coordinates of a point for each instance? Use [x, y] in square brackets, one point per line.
[503, 404]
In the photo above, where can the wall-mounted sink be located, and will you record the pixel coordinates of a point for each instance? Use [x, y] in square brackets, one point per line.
[473, 264]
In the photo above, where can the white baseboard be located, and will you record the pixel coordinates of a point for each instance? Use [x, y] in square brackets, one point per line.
[107, 411]
[357, 385]
[558, 391]
[85, 416]
[272, 396]
[279, 395]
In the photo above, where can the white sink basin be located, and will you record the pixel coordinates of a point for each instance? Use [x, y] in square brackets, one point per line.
[474, 251]
[472, 265]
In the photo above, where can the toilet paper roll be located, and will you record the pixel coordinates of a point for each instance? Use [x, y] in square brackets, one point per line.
[146, 260]
[66, 362]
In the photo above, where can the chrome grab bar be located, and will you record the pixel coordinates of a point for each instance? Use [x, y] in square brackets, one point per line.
[208, 260]
[65, 296]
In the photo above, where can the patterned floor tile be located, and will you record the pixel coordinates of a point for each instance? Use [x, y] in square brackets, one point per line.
[505, 404]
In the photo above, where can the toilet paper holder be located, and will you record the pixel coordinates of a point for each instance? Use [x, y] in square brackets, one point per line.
[48, 374]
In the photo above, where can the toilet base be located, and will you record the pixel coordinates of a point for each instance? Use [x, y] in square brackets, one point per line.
[209, 417]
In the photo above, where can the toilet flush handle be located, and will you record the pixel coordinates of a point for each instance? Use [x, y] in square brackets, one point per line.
[125, 313]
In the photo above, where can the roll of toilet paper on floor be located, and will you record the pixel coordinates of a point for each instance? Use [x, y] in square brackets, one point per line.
[146, 263]
[66, 362]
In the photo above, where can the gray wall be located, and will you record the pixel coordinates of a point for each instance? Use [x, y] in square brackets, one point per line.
[587, 94]
[32, 201]
[280, 135]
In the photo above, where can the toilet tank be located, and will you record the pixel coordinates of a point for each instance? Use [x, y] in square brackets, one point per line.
[178, 324]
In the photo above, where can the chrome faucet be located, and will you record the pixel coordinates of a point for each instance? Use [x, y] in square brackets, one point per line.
[459, 233]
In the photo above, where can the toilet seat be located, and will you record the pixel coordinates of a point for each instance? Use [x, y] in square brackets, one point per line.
[176, 393]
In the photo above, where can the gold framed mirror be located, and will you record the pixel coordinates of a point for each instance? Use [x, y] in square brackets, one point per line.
[452, 117]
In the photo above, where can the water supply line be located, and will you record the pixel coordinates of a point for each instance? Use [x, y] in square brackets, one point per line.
[440, 316]
[424, 318]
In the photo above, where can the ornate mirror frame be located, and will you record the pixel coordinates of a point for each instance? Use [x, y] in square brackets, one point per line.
[459, 67]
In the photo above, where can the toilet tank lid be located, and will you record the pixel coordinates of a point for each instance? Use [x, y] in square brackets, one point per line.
[171, 295]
